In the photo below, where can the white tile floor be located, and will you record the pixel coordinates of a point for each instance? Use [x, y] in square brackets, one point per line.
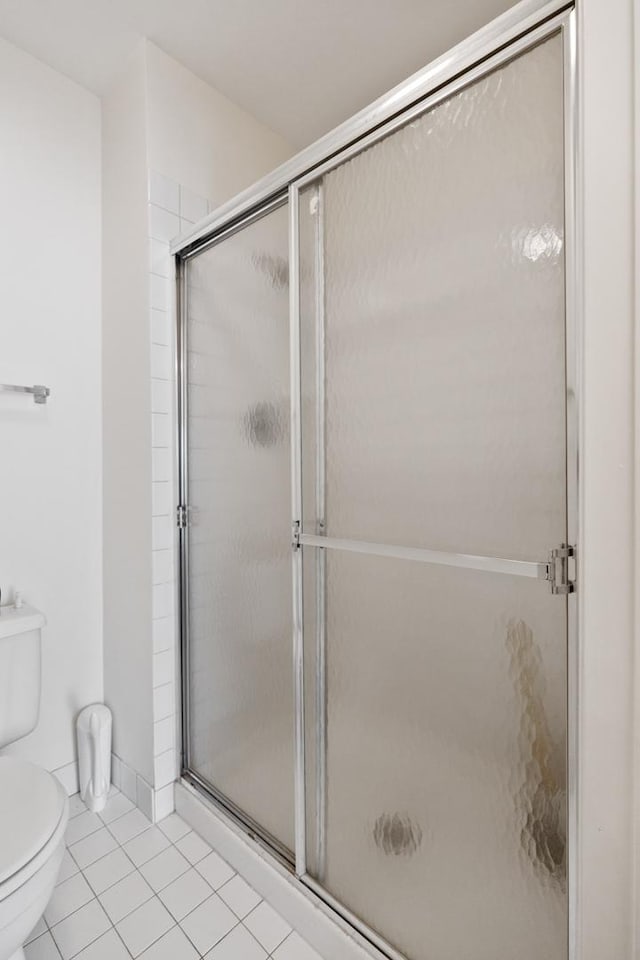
[130, 889]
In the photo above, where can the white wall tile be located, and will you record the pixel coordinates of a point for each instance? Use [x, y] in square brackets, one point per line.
[163, 702]
[162, 561]
[164, 212]
[163, 668]
[164, 192]
[160, 327]
[159, 258]
[164, 802]
[161, 468]
[192, 206]
[161, 362]
[164, 734]
[160, 498]
[158, 292]
[68, 777]
[116, 778]
[162, 532]
[160, 429]
[128, 782]
[164, 768]
[144, 797]
[161, 395]
[162, 600]
[163, 634]
[162, 224]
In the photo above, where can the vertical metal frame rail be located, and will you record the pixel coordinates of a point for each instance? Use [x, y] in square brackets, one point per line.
[296, 555]
[523, 27]
[182, 468]
[574, 405]
[321, 557]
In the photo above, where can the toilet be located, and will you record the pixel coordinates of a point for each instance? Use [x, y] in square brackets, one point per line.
[34, 808]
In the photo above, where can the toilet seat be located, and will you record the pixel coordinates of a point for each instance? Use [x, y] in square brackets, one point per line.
[32, 819]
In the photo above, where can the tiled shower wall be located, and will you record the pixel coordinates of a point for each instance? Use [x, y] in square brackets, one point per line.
[172, 210]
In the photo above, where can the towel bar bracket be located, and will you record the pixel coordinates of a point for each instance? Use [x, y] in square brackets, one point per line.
[40, 392]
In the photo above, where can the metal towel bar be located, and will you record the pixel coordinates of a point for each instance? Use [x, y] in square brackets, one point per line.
[39, 392]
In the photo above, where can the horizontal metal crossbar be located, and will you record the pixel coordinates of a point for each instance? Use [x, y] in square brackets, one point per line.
[519, 568]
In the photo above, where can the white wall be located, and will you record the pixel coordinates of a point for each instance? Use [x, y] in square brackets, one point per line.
[202, 149]
[50, 475]
[170, 139]
[127, 420]
[606, 851]
[199, 138]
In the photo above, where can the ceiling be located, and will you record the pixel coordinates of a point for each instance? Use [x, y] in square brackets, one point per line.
[300, 66]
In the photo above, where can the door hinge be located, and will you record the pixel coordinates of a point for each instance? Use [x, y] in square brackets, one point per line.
[182, 516]
[561, 570]
[295, 535]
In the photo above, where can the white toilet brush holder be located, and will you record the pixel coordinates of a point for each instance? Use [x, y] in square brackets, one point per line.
[94, 755]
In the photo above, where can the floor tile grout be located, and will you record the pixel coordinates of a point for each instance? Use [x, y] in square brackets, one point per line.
[186, 868]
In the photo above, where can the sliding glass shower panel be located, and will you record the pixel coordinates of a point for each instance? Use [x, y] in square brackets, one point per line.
[445, 747]
[433, 391]
[432, 301]
[240, 709]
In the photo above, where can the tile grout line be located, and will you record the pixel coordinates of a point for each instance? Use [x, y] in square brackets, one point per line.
[171, 843]
[164, 933]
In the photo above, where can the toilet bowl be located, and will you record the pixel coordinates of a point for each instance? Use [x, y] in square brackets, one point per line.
[34, 811]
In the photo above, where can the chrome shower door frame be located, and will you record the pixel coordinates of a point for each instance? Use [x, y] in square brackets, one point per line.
[239, 816]
[563, 22]
[521, 28]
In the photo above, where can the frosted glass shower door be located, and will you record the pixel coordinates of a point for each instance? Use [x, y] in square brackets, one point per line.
[240, 702]
[434, 486]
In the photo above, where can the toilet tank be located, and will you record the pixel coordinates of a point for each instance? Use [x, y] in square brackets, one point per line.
[20, 668]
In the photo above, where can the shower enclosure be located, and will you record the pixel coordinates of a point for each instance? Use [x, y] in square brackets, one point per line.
[378, 473]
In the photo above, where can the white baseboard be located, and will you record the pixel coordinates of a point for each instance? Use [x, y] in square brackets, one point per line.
[68, 777]
[317, 923]
[155, 804]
